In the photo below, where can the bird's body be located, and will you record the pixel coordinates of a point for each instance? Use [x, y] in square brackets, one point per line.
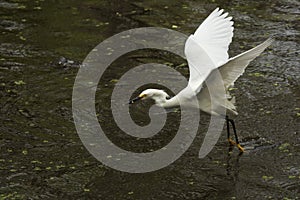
[230, 71]
[207, 54]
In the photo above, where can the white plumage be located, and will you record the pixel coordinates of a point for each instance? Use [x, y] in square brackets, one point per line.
[207, 55]
[207, 51]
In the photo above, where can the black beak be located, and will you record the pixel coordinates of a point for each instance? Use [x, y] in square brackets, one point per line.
[134, 100]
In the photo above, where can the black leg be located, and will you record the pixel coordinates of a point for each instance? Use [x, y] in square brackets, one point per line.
[227, 124]
[234, 131]
[231, 142]
[235, 134]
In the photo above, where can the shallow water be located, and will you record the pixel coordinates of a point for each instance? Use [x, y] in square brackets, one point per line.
[42, 45]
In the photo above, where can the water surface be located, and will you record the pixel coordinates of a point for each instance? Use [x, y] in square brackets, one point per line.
[42, 157]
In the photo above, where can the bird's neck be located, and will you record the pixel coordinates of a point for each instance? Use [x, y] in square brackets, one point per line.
[167, 103]
[159, 101]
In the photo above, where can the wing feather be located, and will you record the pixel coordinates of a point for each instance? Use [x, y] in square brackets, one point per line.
[215, 34]
[236, 66]
[208, 47]
[230, 72]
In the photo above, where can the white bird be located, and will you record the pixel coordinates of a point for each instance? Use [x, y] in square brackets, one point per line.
[207, 51]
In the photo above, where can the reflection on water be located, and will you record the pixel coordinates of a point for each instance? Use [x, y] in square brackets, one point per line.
[42, 43]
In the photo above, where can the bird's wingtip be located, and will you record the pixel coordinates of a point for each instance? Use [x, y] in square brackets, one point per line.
[271, 38]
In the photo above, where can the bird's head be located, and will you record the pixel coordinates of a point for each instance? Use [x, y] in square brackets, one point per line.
[159, 96]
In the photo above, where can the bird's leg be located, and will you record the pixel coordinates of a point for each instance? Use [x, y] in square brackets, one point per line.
[236, 137]
[235, 134]
[231, 142]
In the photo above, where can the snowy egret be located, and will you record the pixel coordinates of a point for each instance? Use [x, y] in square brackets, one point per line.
[206, 51]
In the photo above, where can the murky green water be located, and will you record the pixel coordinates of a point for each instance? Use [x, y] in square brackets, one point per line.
[42, 44]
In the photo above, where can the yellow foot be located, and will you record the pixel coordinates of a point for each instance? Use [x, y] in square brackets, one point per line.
[242, 150]
[231, 142]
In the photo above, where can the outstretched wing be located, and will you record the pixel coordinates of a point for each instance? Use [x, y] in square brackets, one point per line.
[236, 66]
[229, 72]
[207, 48]
[214, 35]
